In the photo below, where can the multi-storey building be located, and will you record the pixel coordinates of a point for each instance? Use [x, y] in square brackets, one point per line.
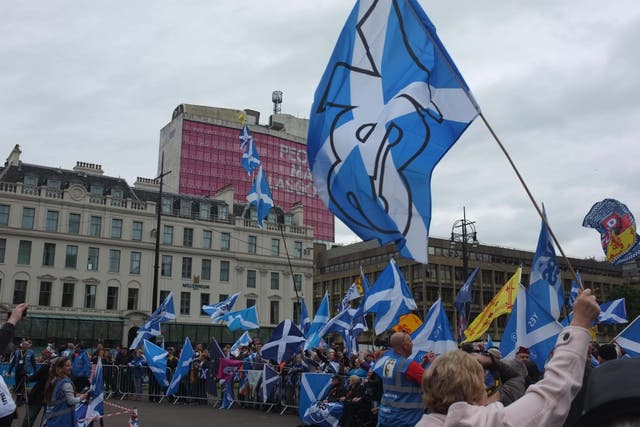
[202, 149]
[337, 268]
[79, 247]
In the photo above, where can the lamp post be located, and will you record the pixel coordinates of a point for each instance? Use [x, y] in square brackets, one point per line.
[156, 266]
[464, 232]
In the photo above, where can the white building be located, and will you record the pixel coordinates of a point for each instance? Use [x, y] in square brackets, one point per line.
[79, 247]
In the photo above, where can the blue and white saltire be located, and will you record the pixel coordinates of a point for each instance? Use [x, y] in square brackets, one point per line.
[389, 106]
[95, 406]
[243, 341]
[629, 338]
[530, 325]
[389, 298]
[365, 286]
[305, 320]
[434, 334]
[270, 380]
[285, 341]
[313, 387]
[243, 320]
[322, 414]
[463, 303]
[319, 320]
[358, 326]
[575, 291]
[81, 414]
[260, 196]
[157, 361]
[165, 312]
[613, 312]
[339, 323]
[545, 284]
[227, 395]
[184, 363]
[490, 342]
[250, 156]
[351, 294]
[218, 310]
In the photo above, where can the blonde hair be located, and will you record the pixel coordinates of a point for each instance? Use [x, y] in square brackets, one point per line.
[453, 377]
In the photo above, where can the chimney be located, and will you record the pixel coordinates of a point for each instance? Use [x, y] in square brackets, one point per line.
[89, 168]
[14, 157]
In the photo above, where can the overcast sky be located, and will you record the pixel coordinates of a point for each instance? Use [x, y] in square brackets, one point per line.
[557, 80]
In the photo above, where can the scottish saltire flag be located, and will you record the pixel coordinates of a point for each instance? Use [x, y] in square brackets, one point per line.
[184, 362]
[389, 298]
[434, 334]
[260, 196]
[165, 312]
[351, 294]
[285, 341]
[250, 156]
[243, 320]
[358, 326]
[305, 320]
[575, 291]
[390, 104]
[270, 381]
[463, 303]
[617, 228]
[490, 341]
[613, 312]
[339, 323]
[215, 352]
[243, 341]
[530, 325]
[322, 414]
[157, 361]
[218, 310]
[313, 387]
[545, 283]
[319, 320]
[629, 338]
[81, 414]
[95, 406]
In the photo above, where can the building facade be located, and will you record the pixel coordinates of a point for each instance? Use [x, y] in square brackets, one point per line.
[79, 247]
[202, 149]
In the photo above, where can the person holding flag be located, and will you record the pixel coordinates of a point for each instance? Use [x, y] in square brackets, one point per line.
[60, 396]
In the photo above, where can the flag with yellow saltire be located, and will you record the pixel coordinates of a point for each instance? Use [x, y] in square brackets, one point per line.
[500, 304]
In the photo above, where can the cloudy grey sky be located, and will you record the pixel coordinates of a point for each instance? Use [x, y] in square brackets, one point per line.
[557, 80]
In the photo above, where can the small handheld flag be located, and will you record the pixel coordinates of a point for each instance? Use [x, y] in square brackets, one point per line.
[260, 196]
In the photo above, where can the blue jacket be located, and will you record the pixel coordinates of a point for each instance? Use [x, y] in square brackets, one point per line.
[401, 403]
[26, 363]
[81, 366]
[58, 413]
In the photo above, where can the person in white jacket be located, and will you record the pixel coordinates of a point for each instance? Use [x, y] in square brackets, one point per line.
[454, 391]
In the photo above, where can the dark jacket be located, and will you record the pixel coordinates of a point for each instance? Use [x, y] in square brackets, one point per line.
[36, 394]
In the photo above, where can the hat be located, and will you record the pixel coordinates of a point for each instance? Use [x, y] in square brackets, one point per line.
[522, 350]
[495, 352]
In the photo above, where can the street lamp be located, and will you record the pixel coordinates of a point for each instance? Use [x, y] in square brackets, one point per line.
[464, 231]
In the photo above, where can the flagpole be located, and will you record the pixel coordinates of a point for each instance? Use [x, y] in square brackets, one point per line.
[535, 204]
[286, 250]
[628, 326]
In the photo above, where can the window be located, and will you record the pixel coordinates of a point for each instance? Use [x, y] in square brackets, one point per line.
[275, 312]
[136, 230]
[49, 254]
[45, 294]
[167, 205]
[4, 214]
[296, 312]
[132, 299]
[117, 194]
[167, 262]
[250, 302]
[186, 267]
[167, 235]
[74, 223]
[204, 300]
[116, 228]
[3, 249]
[20, 291]
[114, 260]
[31, 181]
[24, 252]
[112, 298]
[207, 239]
[223, 212]
[272, 217]
[252, 244]
[53, 184]
[222, 297]
[251, 278]
[225, 241]
[90, 296]
[71, 256]
[92, 259]
[28, 217]
[205, 274]
[95, 226]
[67, 294]
[275, 280]
[185, 208]
[205, 210]
[275, 247]
[224, 271]
[185, 303]
[164, 295]
[96, 190]
[288, 219]
[297, 282]
[187, 237]
[52, 221]
[134, 265]
[297, 249]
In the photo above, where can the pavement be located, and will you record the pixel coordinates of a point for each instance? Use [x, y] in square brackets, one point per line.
[166, 414]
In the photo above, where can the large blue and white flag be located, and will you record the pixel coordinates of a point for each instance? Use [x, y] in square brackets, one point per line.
[218, 310]
[434, 334]
[530, 325]
[389, 106]
[575, 291]
[243, 320]
[166, 311]
[250, 156]
[629, 338]
[389, 298]
[270, 381]
[321, 414]
[95, 406]
[305, 320]
[184, 363]
[463, 303]
[313, 387]
[358, 326]
[260, 196]
[157, 361]
[339, 323]
[243, 341]
[285, 341]
[351, 294]
[613, 312]
[545, 284]
[319, 320]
